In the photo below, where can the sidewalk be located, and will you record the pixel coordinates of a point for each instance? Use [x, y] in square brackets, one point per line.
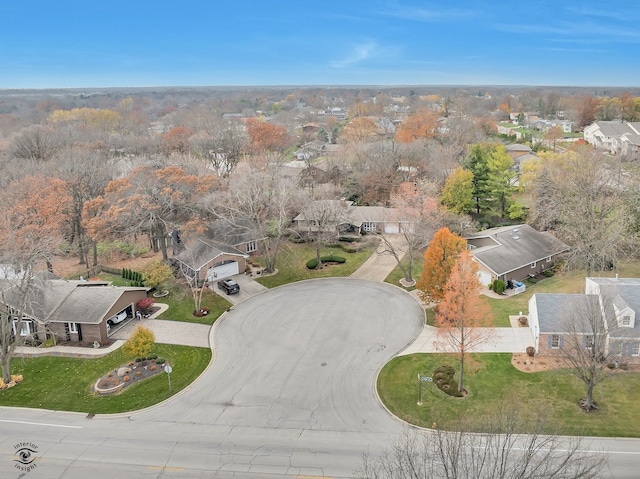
[502, 340]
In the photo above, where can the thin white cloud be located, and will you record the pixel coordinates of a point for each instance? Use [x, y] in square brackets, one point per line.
[358, 54]
[393, 9]
[582, 32]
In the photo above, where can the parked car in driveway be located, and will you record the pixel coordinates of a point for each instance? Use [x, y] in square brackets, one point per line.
[229, 286]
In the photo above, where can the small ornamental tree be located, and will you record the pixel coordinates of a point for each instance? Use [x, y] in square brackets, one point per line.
[156, 274]
[140, 342]
[145, 303]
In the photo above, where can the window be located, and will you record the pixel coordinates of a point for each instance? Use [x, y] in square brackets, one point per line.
[626, 320]
[73, 327]
[555, 341]
[25, 327]
[548, 259]
[368, 226]
[251, 246]
[635, 349]
[533, 265]
[588, 341]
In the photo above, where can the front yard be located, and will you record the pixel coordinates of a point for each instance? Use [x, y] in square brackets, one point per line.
[64, 384]
[555, 392]
[292, 259]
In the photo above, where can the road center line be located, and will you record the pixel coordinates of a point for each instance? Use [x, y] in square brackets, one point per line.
[41, 424]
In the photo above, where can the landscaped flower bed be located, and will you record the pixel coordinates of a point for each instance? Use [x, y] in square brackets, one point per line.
[131, 373]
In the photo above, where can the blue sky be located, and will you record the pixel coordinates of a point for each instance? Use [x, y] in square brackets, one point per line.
[119, 43]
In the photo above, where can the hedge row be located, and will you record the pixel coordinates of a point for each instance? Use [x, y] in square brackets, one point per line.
[313, 263]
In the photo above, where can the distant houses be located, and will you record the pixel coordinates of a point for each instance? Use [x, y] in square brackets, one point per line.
[616, 137]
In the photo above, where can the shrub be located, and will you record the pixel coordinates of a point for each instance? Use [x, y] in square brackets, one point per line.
[126, 378]
[140, 342]
[138, 373]
[446, 380]
[498, 286]
[532, 280]
[156, 274]
[145, 303]
[611, 365]
[531, 351]
[313, 263]
[161, 361]
[623, 366]
[548, 273]
[153, 367]
[139, 360]
[152, 356]
[523, 320]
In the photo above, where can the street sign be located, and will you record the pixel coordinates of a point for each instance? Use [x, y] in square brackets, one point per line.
[167, 369]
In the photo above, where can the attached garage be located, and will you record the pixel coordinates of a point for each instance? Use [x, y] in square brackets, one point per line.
[391, 228]
[485, 278]
[223, 269]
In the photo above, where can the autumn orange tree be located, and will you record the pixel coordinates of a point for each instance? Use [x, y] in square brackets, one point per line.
[265, 136]
[148, 201]
[420, 125]
[32, 218]
[462, 318]
[359, 129]
[176, 140]
[439, 259]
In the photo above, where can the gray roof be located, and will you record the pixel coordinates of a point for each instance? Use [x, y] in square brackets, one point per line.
[554, 310]
[624, 292]
[617, 128]
[518, 147]
[514, 247]
[202, 252]
[232, 232]
[60, 300]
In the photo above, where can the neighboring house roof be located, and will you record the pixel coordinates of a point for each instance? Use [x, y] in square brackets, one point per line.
[509, 248]
[624, 293]
[617, 128]
[202, 252]
[518, 147]
[234, 233]
[59, 300]
[355, 215]
[556, 310]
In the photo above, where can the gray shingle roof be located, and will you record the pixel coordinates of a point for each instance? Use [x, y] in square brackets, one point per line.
[514, 247]
[202, 252]
[60, 300]
[554, 311]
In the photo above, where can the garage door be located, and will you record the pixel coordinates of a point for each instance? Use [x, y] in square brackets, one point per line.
[485, 278]
[391, 228]
[222, 270]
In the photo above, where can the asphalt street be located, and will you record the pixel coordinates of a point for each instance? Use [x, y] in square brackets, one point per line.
[291, 393]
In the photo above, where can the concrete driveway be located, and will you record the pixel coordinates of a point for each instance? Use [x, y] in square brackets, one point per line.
[248, 288]
[378, 266]
[168, 332]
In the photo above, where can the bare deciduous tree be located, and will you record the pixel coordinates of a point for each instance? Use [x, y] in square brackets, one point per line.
[35, 142]
[509, 447]
[586, 349]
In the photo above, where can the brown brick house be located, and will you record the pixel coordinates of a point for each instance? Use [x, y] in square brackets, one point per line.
[72, 310]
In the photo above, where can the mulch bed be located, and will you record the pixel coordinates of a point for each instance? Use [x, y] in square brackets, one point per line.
[139, 371]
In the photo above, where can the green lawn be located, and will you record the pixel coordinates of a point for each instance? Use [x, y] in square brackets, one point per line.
[396, 274]
[181, 303]
[65, 383]
[292, 259]
[555, 392]
[566, 282]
